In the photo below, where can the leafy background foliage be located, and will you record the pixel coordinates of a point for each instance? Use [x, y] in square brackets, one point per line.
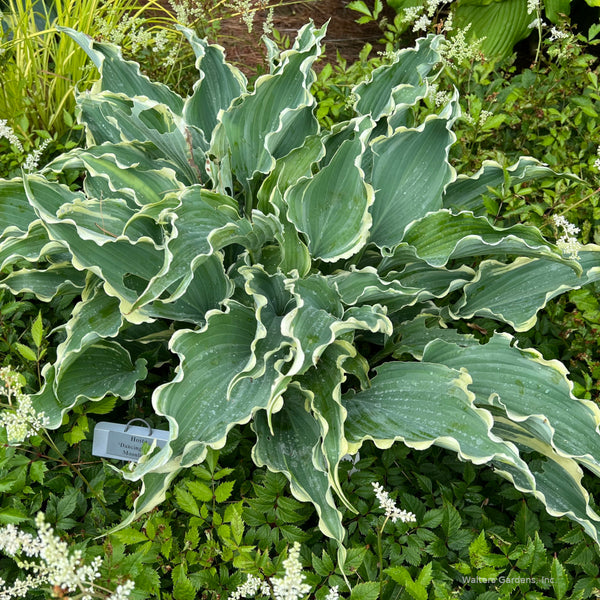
[470, 522]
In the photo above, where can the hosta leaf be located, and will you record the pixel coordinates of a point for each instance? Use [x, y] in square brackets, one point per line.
[319, 318]
[219, 84]
[97, 316]
[123, 171]
[322, 385]
[501, 24]
[16, 215]
[102, 368]
[121, 76]
[424, 328]
[529, 389]
[196, 402]
[442, 236]
[290, 449]
[410, 171]
[31, 245]
[339, 227]
[117, 261]
[259, 122]
[57, 279]
[409, 68]
[198, 215]
[115, 118]
[557, 478]
[514, 293]
[271, 300]
[395, 408]
[415, 283]
[465, 193]
[207, 289]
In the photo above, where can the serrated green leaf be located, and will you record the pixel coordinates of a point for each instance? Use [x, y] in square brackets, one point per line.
[26, 352]
[183, 589]
[223, 491]
[12, 516]
[199, 490]
[365, 591]
[131, 536]
[37, 330]
[37, 470]
[186, 501]
[560, 580]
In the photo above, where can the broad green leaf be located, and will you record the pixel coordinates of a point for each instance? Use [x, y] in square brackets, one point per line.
[409, 187]
[197, 403]
[410, 66]
[501, 24]
[322, 385]
[339, 227]
[115, 118]
[121, 76]
[16, 215]
[441, 236]
[34, 246]
[515, 292]
[102, 368]
[97, 316]
[219, 84]
[263, 125]
[394, 408]
[531, 390]
[465, 193]
[57, 279]
[291, 449]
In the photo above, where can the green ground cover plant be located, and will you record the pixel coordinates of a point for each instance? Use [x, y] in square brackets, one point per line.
[305, 315]
[226, 523]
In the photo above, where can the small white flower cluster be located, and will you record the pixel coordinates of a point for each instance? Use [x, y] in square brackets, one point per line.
[9, 133]
[290, 586]
[56, 565]
[391, 510]
[567, 242]
[250, 588]
[32, 159]
[123, 591]
[533, 6]
[268, 23]
[557, 34]
[597, 161]
[20, 419]
[457, 50]
[333, 594]
[187, 12]
[536, 23]
[131, 30]
[421, 17]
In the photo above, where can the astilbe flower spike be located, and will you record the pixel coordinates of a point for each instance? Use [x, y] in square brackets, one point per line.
[391, 510]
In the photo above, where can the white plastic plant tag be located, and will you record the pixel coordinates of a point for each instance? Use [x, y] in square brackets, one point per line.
[124, 442]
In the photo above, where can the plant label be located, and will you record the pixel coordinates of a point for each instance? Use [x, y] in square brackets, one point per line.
[125, 441]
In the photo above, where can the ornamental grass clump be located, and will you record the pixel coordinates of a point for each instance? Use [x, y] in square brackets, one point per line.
[308, 281]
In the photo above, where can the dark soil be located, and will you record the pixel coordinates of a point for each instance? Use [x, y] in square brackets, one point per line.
[344, 35]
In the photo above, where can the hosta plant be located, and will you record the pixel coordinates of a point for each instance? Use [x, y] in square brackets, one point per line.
[305, 280]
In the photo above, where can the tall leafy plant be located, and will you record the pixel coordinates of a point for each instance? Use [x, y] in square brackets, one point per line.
[305, 280]
[40, 69]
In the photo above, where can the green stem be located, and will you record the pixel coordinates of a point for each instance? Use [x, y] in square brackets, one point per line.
[380, 555]
[539, 28]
